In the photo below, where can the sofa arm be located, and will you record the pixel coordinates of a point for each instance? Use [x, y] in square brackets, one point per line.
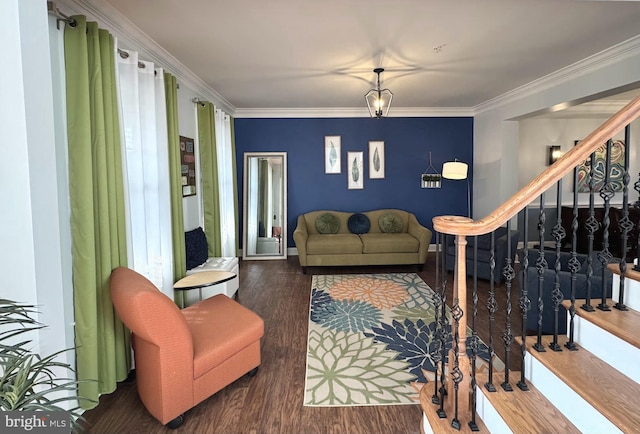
[422, 234]
[300, 236]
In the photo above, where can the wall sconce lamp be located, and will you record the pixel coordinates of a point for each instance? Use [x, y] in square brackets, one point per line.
[458, 170]
[378, 100]
[553, 154]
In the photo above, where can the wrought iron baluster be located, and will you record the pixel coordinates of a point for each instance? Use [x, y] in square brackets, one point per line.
[556, 294]
[437, 300]
[574, 264]
[473, 341]
[444, 335]
[592, 226]
[507, 335]
[541, 266]
[492, 307]
[525, 303]
[625, 222]
[636, 187]
[604, 256]
[456, 374]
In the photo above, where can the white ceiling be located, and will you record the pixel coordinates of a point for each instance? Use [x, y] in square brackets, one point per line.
[268, 54]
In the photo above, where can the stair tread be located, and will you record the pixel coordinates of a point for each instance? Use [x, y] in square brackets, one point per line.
[623, 324]
[610, 392]
[630, 273]
[443, 425]
[525, 412]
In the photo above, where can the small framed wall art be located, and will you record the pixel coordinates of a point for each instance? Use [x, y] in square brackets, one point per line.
[376, 160]
[355, 170]
[187, 166]
[616, 167]
[332, 162]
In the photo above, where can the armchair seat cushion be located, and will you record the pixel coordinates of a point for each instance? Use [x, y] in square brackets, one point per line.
[332, 244]
[219, 338]
[389, 243]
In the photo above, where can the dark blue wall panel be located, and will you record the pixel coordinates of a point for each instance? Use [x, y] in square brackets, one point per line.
[407, 143]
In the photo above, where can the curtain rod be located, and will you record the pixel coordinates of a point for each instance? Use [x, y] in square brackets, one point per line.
[197, 100]
[125, 55]
[53, 10]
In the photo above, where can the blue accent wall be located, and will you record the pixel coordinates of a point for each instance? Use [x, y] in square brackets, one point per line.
[407, 143]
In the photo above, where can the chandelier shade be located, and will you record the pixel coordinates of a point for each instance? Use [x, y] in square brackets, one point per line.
[378, 100]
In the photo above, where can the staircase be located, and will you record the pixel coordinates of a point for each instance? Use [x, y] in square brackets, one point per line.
[593, 384]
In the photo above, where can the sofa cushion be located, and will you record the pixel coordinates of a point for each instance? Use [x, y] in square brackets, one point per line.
[389, 243]
[390, 223]
[196, 247]
[359, 223]
[327, 223]
[333, 244]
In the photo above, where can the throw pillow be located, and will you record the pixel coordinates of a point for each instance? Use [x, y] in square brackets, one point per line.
[358, 224]
[327, 223]
[390, 223]
[196, 247]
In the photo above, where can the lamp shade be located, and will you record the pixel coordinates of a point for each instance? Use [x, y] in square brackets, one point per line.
[454, 170]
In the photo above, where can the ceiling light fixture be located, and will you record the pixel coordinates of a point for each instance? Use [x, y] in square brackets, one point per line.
[378, 100]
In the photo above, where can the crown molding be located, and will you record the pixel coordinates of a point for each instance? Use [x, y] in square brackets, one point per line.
[353, 112]
[609, 56]
[131, 37]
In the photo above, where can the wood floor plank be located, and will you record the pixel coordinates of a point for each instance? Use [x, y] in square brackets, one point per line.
[611, 393]
[623, 324]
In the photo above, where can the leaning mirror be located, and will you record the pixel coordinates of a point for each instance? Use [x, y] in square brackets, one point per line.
[265, 205]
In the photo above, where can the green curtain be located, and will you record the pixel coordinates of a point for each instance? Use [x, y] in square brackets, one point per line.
[177, 217]
[235, 180]
[209, 177]
[97, 207]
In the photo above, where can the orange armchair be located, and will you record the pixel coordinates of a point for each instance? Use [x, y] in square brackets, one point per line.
[184, 356]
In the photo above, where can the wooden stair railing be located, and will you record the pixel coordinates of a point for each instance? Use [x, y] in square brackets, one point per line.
[461, 227]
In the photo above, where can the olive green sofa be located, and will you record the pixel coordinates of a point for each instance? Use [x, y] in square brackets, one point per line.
[405, 242]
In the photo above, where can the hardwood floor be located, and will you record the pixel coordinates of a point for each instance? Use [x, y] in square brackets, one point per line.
[271, 402]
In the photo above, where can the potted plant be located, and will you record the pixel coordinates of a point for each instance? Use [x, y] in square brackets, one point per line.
[28, 381]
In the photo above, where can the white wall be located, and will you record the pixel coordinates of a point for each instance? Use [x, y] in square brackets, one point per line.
[31, 258]
[537, 134]
[496, 135]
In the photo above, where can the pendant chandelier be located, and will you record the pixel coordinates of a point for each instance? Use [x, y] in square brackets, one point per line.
[378, 100]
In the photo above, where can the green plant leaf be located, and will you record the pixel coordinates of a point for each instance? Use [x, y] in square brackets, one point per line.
[355, 172]
[29, 381]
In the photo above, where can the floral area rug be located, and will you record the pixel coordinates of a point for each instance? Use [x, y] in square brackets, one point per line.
[369, 340]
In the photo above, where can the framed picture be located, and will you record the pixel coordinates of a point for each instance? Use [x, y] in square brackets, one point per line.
[376, 160]
[332, 162]
[616, 168]
[187, 166]
[355, 171]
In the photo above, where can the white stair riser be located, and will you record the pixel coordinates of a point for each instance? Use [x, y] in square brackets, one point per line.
[611, 349]
[631, 292]
[573, 406]
[489, 415]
